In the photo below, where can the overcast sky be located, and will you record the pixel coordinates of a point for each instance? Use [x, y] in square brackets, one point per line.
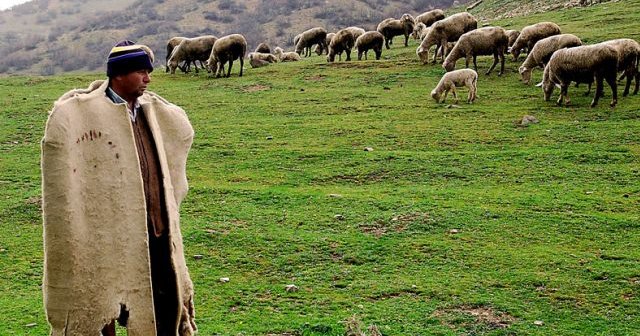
[4, 4]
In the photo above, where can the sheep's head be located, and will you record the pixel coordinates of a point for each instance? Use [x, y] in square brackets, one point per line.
[423, 54]
[448, 65]
[515, 52]
[435, 95]
[525, 73]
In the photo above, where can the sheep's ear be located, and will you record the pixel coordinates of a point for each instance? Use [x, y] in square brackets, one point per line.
[539, 84]
[558, 86]
[149, 52]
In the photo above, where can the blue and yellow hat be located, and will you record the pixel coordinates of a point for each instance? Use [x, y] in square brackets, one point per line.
[127, 56]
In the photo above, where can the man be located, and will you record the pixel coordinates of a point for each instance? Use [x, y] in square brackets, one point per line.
[113, 176]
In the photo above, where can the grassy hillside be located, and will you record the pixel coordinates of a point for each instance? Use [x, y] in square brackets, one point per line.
[455, 222]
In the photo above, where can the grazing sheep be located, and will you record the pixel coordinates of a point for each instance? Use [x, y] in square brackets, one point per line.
[581, 65]
[227, 49]
[191, 50]
[513, 36]
[369, 40]
[628, 59]
[308, 38]
[453, 79]
[420, 31]
[541, 53]
[171, 44]
[356, 31]
[342, 41]
[532, 34]
[446, 30]
[286, 56]
[263, 48]
[257, 59]
[482, 41]
[430, 17]
[393, 27]
[320, 49]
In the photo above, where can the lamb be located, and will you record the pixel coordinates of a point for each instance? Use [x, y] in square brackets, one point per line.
[369, 40]
[482, 41]
[532, 34]
[191, 50]
[446, 30]
[430, 17]
[342, 41]
[257, 59]
[541, 53]
[320, 49]
[286, 56]
[393, 27]
[308, 38]
[263, 48]
[581, 65]
[227, 49]
[628, 59]
[453, 79]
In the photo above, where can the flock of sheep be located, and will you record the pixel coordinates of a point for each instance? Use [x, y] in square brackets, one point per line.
[563, 57]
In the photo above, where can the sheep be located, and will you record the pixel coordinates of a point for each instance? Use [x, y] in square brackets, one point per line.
[190, 50]
[581, 65]
[356, 31]
[453, 79]
[171, 44]
[257, 59]
[482, 41]
[342, 41]
[532, 34]
[286, 56]
[393, 27]
[320, 49]
[446, 30]
[308, 38]
[541, 53]
[420, 31]
[430, 17]
[369, 40]
[513, 36]
[263, 48]
[628, 59]
[227, 49]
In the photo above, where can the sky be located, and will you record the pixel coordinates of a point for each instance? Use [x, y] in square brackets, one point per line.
[4, 4]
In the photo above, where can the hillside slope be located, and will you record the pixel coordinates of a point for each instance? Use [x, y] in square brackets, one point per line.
[53, 36]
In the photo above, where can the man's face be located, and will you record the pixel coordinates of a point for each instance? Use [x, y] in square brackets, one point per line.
[133, 84]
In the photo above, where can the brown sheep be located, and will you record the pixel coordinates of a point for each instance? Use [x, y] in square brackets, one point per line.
[482, 41]
[263, 48]
[430, 17]
[369, 40]
[342, 41]
[393, 27]
[581, 65]
[227, 49]
[447, 30]
[320, 49]
[532, 34]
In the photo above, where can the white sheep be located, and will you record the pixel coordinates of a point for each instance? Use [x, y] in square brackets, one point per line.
[191, 50]
[453, 79]
[446, 30]
[343, 41]
[391, 27]
[308, 38]
[628, 61]
[258, 59]
[286, 56]
[542, 51]
[513, 36]
[420, 31]
[430, 17]
[532, 34]
[227, 49]
[581, 65]
[482, 41]
[369, 40]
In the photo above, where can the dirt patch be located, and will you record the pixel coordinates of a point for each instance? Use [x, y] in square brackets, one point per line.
[472, 317]
[315, 78]
[254, 88]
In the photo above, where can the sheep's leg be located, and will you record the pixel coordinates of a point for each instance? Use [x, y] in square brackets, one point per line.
[564, 87]
[628, 85]
[467, 59]
[444, 51]
[611, 80]
[599, 90]
[501, 56]
[229, 70]
[348, 52]
[406, 40]
[241, 64]
[444, 96]
[475, 63]
[379, 53]
[635, 92]
[435, 54]
[386, 42]
[455, 95]
[359, 55]
[365, 55]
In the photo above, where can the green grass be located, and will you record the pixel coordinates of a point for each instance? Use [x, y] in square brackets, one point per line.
[547, 215]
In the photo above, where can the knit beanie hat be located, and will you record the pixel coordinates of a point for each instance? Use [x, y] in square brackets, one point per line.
[127, 56]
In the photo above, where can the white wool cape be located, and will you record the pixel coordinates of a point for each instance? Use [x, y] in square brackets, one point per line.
[95, 222]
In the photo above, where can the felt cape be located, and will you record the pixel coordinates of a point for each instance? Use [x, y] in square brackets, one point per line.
[95, 225]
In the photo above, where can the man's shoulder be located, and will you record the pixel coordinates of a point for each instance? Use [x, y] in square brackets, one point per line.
[96, 88]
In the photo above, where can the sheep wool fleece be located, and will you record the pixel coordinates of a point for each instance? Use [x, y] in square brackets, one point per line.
[96, 249]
